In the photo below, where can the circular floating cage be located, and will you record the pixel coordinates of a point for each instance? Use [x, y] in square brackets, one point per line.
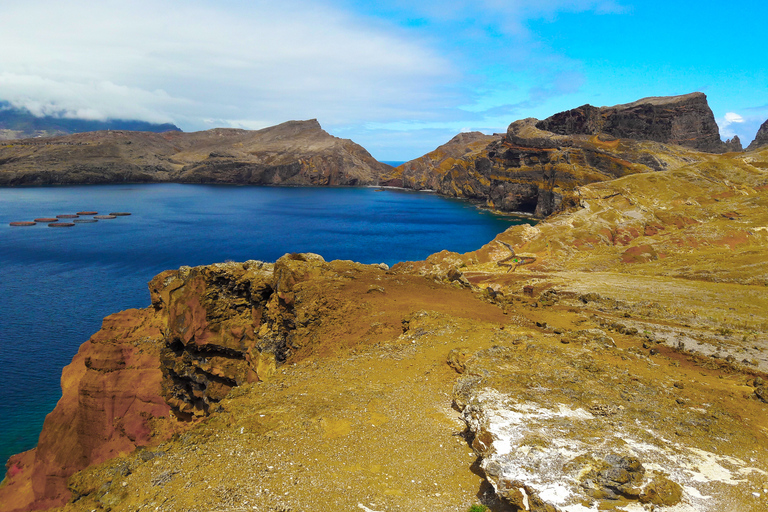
[23, 223]
[104, 217]
[47, 219]
[120, 214]
[84, 221]
[87, 213]
[61, 224]
[67, 216]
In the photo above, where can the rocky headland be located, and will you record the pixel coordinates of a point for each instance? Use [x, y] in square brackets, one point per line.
[683, 120]
[538, 165]
[612, 357]
[292, 153]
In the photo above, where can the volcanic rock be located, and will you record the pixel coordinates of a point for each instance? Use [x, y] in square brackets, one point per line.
[543, 450]
[685, 120]
[538, 165]
[761, 139]
[531, 170]
[733, 145]
[293, 386]
[434, 170]
[111, 403]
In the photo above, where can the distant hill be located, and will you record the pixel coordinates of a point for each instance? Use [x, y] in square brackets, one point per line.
[20, 123]
[293, 153]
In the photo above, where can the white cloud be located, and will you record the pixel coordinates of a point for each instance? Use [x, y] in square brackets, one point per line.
[726, 130]
[187, 61]
[250, 64]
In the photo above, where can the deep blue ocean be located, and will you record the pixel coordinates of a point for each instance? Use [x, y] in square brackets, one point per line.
[57, 284]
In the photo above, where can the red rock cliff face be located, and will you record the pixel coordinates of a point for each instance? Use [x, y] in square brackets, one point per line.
[110, 404]
[150, 373]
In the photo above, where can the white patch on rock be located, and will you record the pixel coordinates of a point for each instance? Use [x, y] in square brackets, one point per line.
[529, 443]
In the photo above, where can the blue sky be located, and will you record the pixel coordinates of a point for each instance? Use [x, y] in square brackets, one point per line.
[399, 77]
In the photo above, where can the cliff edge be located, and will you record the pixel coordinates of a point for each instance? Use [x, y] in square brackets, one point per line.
[684, 120]
[537, 166]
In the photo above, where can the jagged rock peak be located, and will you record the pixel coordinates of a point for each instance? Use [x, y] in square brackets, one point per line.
[761, 139]
[685, 120]
[734, 144]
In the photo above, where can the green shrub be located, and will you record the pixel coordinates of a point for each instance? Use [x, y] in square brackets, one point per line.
[478, 508]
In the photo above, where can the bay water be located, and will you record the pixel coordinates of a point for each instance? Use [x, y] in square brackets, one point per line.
[57, 284]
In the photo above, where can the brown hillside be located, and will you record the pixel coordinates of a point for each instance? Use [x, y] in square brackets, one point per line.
[292, 153]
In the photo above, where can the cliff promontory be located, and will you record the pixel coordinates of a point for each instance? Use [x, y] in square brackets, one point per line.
[292, 153]
[538, 165]
[683, 120]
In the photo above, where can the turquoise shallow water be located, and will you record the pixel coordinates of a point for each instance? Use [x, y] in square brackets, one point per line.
[57, 284]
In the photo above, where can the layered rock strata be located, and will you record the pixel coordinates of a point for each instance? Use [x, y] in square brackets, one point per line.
[292, 153]
[623, 367]
[538, 165]
[532, 170]
[683, 120]
[111, 403]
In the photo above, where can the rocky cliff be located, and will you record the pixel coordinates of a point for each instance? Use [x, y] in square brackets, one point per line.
[531, 170]
[761, 139]
[293, 153]
[610, 357]
[538, 165]
[683, 120]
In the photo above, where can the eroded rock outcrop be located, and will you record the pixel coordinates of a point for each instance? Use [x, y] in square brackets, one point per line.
[111, 403]
[538, 165]
[292, 153]
[150, 373]
[532, 170]
[435, 170]
[684, 120]
[733, 145]
[761, 139]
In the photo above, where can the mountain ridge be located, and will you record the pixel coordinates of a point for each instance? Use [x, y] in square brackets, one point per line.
[20, 123]
[291, 153]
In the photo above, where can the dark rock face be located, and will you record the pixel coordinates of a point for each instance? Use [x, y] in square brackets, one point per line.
[684, 120]
[761, 139]
[538, 166]
[532, 170]
[292, 153]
